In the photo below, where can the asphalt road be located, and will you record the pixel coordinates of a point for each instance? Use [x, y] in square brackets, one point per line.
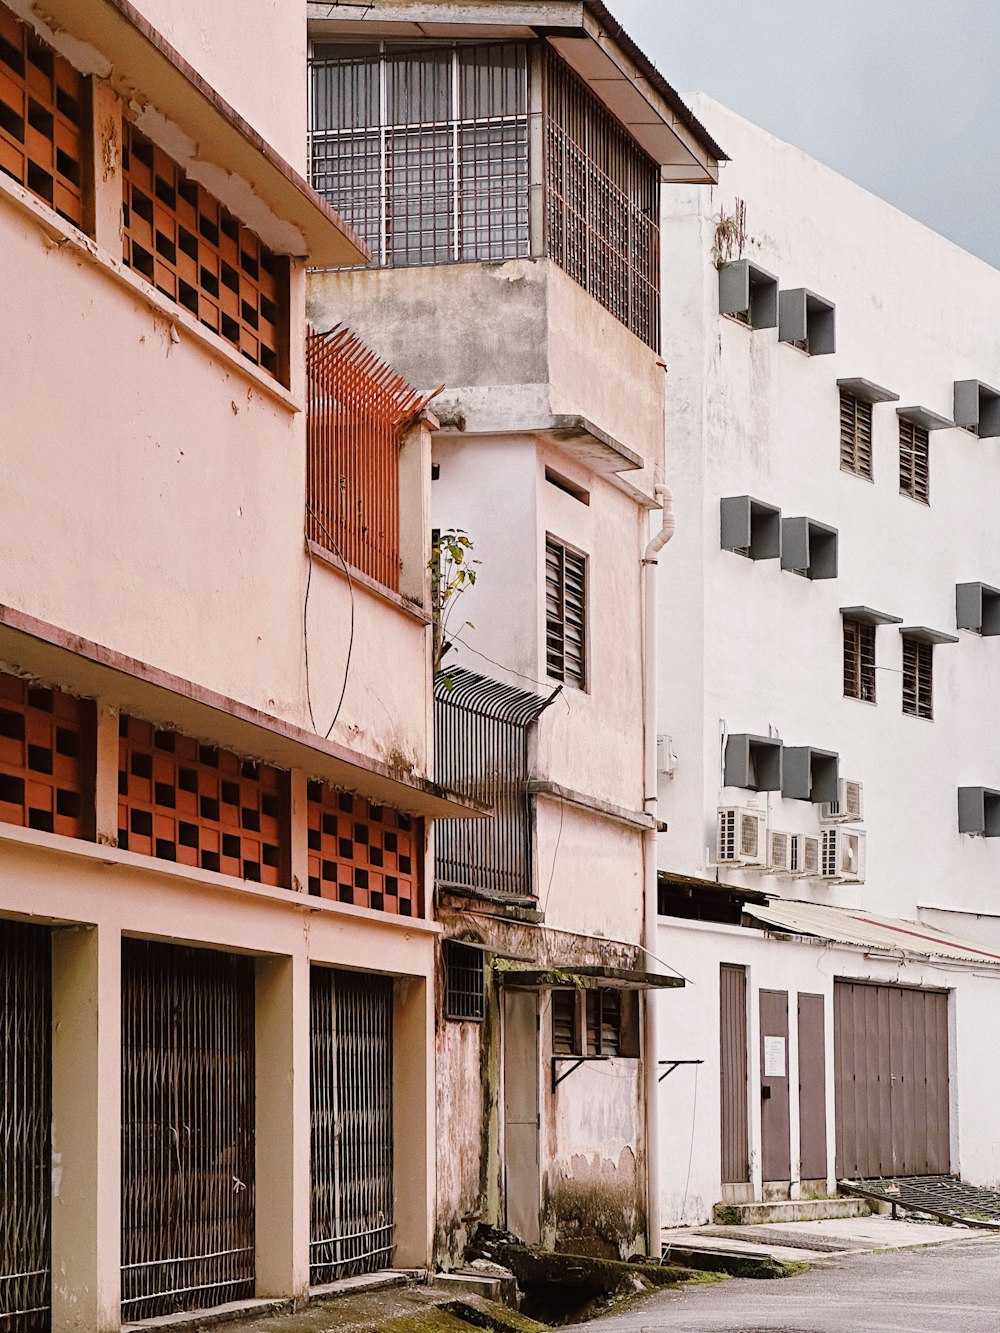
[951, 1288]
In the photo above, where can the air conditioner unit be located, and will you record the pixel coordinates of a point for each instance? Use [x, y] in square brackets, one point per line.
[805, 856]
[848, 808]
[843, 855]
[742, 839]
[779, 853]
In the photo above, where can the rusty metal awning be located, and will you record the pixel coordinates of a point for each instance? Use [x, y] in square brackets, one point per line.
[584, 978]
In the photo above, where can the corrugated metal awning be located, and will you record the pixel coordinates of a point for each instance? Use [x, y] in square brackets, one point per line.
[584, 978]
[845, 925]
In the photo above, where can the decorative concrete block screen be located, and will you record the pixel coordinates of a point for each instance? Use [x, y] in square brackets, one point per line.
[364, 854]
[186, 802]
[46, 759]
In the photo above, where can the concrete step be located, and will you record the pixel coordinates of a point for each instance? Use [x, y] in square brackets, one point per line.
[795, 1210]
[468, 1284]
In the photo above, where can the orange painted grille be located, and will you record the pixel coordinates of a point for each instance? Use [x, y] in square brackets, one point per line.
[41, 99]
[183, 241]
[47, 749]
[363, 854]
[185, 802]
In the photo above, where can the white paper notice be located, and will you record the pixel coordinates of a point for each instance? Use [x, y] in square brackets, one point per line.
[774, 1057]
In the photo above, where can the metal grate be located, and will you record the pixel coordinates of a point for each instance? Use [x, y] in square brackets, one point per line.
[602, 203]
[914, 461]
[47, 757]
[41, 115]
[918, 678]
[187, 1129]
[481, 750]
[859, 661]
[182, 240]
[364, 854]
[358, 411]
[182, 801]
[25, 1127]
[565, 614]
[424, 151]
[351, 1096]
[856, 435]
[465, 982]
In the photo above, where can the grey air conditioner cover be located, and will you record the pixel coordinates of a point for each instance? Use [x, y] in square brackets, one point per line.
[810, 775]
[750, 525]
[979, 811]
[977, 607]
[809, 547]
[753, 762]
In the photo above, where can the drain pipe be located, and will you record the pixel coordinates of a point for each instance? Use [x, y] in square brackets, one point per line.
[651, 1046]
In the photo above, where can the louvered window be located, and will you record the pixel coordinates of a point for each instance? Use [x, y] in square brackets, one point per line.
[859, 661]
[918, 662]
[601, 1013]
[565, 614]
[564, 1022]
[856, 435]
[465, 993]
[914, 461]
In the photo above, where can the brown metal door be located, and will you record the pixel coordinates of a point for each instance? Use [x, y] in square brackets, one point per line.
[812, 1088]
[891, 1081]
[733, 1073]
[775, 1132]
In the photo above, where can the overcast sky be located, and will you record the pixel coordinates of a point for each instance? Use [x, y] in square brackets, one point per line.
[899, 95]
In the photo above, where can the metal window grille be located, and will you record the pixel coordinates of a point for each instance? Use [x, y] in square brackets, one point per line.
[465, 982]
[183, 241]
[41, 116]
[352, 1125]
[914, 461]
[565, 614]
[182, 801]
[358, 411]
[364, 854]
[25, 1127]
[859, 661]
[47, 759]
[602, 203]
[481, 750]
[424, 152]
[856, 435]
[187, 1129]
[918, 678]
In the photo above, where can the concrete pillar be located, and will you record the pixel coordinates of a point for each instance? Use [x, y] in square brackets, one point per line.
[414, 1145]
[283, 1126]
[105, 165]
[106, 785]
[86, 1129]
[299, 830]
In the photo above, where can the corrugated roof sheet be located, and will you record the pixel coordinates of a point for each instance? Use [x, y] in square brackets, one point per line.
[849, 925]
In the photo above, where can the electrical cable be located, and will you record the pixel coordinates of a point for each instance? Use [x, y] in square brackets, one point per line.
[694, 1121]
[305, 623]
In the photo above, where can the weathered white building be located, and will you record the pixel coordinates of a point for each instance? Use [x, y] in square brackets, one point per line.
[828, 762]
[509, 159]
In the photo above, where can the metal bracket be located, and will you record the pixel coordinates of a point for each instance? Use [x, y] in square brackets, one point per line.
[578, 1060]
[675, 1064]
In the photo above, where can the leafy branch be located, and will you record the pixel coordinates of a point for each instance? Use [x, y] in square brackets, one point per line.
[452, 573]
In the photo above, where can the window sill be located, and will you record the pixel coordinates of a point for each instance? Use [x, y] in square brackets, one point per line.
[61, 234]
[915, 499]
[859, 476]
[366, 581]
[871, 703]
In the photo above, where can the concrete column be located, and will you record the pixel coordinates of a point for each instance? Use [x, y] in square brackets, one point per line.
[283, 1126]
[299, 830]
[106, 785]
[86, 1129]
[413, 1118]
[105, 166]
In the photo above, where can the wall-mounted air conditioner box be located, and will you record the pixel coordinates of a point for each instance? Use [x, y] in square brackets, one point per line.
[742, 836]
[842, 856]
[807, 321]
[848, 808]
[750, 527]
[810, 774]
[979, 811]
[748, 293]
[805, 856]
[809, 548]
[753, 762]
[977, 606]
[779, 852]
[977, 408]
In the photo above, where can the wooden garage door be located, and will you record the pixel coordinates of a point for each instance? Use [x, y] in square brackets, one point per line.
[891, 1070]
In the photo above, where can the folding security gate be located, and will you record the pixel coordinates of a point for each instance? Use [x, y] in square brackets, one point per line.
[25, 1127]
[351, 1090]
[187, 1129]
[891, 1069]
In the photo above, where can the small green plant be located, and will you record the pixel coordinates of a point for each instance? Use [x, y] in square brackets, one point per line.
[453, 572]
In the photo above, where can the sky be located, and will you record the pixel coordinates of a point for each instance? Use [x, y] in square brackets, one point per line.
[899, 95]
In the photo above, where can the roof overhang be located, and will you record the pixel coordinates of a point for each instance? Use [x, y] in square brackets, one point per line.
[52, 655]
[182, 112]
[584, 978]
[585, 35]
[713, 886]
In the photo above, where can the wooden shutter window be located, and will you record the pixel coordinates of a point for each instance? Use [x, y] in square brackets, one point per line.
[859, 661]
[914, 461]
[918, 678]
[41, 116]
[565, 614]
[856, 435]
[564, 1022]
